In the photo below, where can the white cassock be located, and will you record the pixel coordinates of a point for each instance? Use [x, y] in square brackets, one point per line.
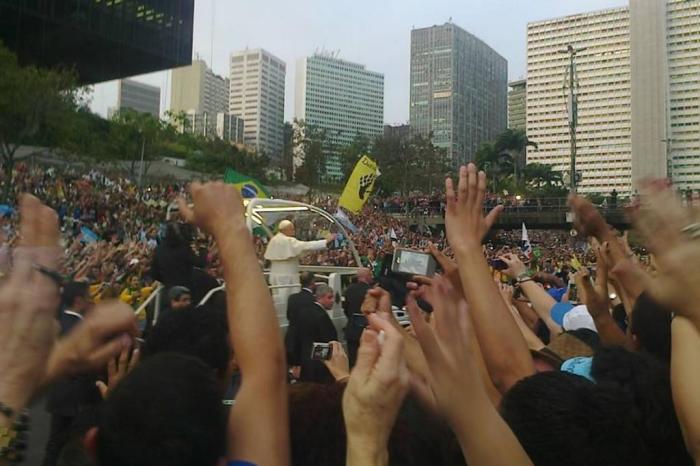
[283, 252]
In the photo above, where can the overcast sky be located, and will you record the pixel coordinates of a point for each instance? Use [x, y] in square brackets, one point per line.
[372, 32]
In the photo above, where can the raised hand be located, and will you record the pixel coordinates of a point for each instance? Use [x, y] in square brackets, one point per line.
[587, 220]
[105, 332]
[338, 364]
[216, 207]
[117, 369]
[673, 235]
[455, 383]
[377, 386]
[516, 268]
[464, 220]
[446, 348]
[29, 300]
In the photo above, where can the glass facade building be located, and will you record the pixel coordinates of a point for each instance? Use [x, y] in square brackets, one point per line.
[101, 39]
[459, 90]
[342, 98]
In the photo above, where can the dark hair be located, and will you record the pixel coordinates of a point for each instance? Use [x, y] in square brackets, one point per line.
[564, 419]
[194, 332]
[307, 279]
[318, 434]
[166, 412]
[72, 291]
[651, 324]
[647, 382]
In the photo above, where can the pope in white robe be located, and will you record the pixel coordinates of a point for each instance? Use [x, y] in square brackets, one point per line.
[283, 252]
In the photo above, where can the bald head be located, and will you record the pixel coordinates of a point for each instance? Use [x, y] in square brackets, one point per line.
[286, 227]
[364, 275]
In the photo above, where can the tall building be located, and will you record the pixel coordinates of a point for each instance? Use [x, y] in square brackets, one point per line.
[342, 98]
[101, 40]
[517, 95]
[257, 96]
[230, 128]
[459, 89]
[400, 132]
[201, 94]
[638, 82]
[140, 97]
[198, 88]
[683, 48]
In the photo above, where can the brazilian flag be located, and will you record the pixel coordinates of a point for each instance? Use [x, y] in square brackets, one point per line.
[247, 186]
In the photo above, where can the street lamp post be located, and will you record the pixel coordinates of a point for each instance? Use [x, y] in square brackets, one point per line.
[143, 150]
[573, 111]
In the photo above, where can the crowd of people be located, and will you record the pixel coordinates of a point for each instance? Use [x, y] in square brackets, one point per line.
[560, 350]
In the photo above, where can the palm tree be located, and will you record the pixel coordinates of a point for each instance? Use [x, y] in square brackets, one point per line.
[513, 143]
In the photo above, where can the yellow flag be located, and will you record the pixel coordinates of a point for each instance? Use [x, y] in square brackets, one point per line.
[360, 185]
[575, 263]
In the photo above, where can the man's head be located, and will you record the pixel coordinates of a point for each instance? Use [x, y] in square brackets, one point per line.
[561, 418]
[650, 328]
[202, 333]
[76, 297]
[308, 280]
[364, 275]
[287, 228]
[179, 298]
[166, 412]
[325, 296]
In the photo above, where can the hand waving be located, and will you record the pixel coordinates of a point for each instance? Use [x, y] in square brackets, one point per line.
[464, 220]
[217, 208]
[28, 303]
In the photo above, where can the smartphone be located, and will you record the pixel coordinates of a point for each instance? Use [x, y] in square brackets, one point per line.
[321, 352]
[498, 264]
[411, 262]
[573, 293]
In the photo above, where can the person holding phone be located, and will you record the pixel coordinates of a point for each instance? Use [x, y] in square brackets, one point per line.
[314, 325]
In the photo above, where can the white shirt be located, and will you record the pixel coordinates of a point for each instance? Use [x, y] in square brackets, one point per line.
[283, 253]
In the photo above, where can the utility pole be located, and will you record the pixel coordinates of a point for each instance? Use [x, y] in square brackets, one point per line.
[573, 111]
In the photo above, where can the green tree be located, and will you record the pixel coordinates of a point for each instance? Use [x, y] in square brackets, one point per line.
[135, 138]
[349, 155]
[33, 101]
[309, 142]
[542, 181]
[514, 143]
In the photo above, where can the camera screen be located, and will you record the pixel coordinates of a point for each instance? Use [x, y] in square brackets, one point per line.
[414, 263]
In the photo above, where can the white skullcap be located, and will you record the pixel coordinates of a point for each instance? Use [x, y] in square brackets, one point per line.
[284, 224]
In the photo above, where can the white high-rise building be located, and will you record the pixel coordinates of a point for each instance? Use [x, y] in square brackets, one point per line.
[638, 85]
[604, 143]
[683, 46]
[197, 88]
[257, 96]
[342, 98]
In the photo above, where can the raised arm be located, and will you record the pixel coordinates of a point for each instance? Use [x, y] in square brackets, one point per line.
[484, 436]
[258, 423]
[504, 349]
[542, 302]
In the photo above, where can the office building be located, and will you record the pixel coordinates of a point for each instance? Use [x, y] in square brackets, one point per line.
[459, 88]
[201, 94]
[517, 94]
[140, 97]
[683, 48]
[198, 88]
[257, 96]
[638, 84]
[230, 128]
[100, 40]
[342, 98]
[400, 132]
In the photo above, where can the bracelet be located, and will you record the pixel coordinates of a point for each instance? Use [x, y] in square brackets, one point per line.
[525, 280]
[13, 440]
[343, 379]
